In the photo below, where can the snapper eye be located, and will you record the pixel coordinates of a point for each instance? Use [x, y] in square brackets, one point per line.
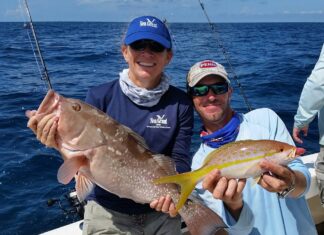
[281, 150]
[76, 107]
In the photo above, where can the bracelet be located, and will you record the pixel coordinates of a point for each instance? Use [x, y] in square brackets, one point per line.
[290, 188]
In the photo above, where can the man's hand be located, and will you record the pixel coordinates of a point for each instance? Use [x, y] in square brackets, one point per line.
[227, 190]
[296, 133]
[279, 178]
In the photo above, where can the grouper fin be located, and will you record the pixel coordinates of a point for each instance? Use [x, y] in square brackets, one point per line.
[83, 186]
[69, 168]
[256, 180]
[165, 163]
[187, 182]
[136, 136]
[202, 220]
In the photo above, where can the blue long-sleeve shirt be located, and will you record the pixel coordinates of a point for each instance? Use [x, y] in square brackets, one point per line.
[263, 213]
[311, 102]
[166, 128]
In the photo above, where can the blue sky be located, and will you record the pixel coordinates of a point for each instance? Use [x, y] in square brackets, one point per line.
[172, 10]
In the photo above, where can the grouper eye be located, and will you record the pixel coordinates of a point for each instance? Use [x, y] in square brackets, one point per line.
[76, 107]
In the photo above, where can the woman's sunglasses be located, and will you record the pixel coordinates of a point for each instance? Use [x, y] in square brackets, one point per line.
[202, 90]
[140, 45]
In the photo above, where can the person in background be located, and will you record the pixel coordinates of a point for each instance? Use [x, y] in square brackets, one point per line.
[311, 103]
[278, 201]
[143, 100]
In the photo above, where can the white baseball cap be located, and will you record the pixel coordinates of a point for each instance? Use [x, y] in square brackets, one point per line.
[203, 68]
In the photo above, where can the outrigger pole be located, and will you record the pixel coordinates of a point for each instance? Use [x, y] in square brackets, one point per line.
[38, 57]
[221, 46]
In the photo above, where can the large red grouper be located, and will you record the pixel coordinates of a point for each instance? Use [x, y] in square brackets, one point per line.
[98, 150]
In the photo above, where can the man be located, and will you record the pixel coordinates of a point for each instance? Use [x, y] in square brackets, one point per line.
[311, 103]
[277, 203]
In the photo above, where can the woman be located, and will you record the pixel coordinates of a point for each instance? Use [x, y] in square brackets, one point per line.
[143, 100]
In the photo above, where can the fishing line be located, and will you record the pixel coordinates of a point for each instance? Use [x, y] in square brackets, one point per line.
[35, 56]
[26, 25]
[226, 56]
[175, 44]
[38, 56]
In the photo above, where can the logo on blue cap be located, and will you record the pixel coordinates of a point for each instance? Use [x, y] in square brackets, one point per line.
[148, 27]
[148, 23]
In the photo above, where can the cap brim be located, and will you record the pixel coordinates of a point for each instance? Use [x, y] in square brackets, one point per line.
[202, 75]
[147, 35]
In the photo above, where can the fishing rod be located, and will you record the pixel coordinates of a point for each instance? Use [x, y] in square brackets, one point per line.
[221, 46]
[38, 57]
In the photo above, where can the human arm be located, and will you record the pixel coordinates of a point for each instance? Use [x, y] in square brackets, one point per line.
[164, 204]
[264, 123]
[180, 152]
[311, 99]
[227, 190]
[281, 178]
[239, 222]
[296, 133]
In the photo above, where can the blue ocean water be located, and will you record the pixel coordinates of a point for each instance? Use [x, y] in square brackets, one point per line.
[271, 60]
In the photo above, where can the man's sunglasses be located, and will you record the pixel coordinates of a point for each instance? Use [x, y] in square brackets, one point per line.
[202, 90]
[140, 45]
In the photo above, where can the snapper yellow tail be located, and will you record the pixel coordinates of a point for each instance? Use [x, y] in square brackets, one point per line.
[187, 182]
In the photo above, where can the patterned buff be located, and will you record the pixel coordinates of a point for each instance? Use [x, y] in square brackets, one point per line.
[223, 136]
[142, 96]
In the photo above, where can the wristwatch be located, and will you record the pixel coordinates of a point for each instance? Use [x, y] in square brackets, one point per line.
[290, 188]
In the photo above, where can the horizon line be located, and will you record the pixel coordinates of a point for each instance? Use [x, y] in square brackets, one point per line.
[182, 22]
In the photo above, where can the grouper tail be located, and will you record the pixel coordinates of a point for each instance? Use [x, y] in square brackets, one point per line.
[187, 182]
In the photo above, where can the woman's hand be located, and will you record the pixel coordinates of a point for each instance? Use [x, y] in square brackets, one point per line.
[44, 127]
[165, 205]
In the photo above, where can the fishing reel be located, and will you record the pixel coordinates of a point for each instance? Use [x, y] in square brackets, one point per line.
[73, 207]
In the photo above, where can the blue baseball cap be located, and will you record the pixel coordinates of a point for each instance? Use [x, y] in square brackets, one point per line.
[148, 27]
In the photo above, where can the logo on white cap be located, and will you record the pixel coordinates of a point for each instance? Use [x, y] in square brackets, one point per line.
[208, 64]
[148, 23]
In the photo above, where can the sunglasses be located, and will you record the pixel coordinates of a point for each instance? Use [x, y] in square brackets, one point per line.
[140, 45]
[202, 90]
